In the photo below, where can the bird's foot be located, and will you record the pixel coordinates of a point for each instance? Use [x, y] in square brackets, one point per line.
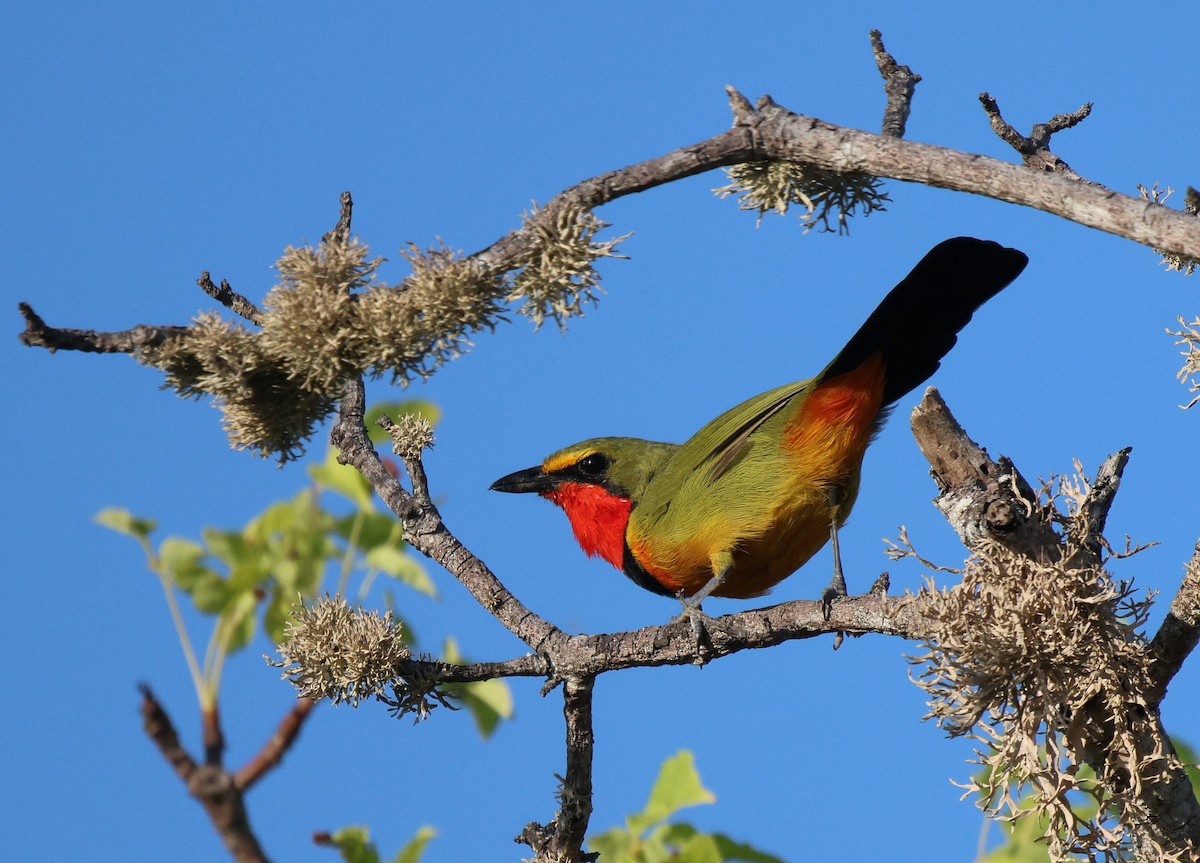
[700, 622]
[836, 589]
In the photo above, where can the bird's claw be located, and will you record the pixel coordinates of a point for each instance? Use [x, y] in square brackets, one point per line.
[699, 621]
[829, 594]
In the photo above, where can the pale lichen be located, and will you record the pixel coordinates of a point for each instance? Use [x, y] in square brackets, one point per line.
[1043, 663]
[828, 198]
[558, 273]
[1189, 374]
[344, 654]
[1158, 195]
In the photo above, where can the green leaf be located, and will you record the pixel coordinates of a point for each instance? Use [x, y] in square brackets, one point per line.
[374, 528]
[181, 559]
[395, 409]
[278, 613]
[1187, 755]
[402, 567]
[731, 850]
[342, 479]
[238, 621]
[701, 848]
[413, 851]
[210, 594]
[489, 701]
[123, 521]
[677, 787]
[355, 845]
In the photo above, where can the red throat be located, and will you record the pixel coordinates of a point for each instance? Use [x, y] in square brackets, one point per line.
[597, 517]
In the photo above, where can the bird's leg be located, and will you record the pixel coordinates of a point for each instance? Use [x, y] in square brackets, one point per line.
[722, 563]
[837, 585]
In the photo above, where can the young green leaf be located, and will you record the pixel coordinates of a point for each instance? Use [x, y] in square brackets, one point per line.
[402, 567]
[182, 560]
[414, 849]
[342, 479]
[123, 521]
[677, 787]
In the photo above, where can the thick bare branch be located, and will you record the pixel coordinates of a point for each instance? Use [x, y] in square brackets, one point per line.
[983, 500]
[1180, 630]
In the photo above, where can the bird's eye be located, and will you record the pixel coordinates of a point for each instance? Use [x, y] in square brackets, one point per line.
[594, 465]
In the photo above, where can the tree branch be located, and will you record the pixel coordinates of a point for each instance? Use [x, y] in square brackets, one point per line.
[231, 300]
[214, 787]
[899, 83]
[1179, 633]
[424, 530]
[1035, 149]
[563, 840]
[272, 752]
[38, 335]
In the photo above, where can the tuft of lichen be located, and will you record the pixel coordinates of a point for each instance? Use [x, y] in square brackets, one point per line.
[328, 318]
[333, 651]
[311, 311]
[558, 275]
[828, 198]
[411, 435]
[262, 409]
[1158, 195]
[409, 330]
[1189, 374]
[1042, 662]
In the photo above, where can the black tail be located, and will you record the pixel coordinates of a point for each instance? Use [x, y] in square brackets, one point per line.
[918, 321]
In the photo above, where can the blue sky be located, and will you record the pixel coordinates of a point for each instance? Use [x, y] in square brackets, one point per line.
[148, 142]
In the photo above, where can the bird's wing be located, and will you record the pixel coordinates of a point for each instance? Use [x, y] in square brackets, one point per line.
[717, 446]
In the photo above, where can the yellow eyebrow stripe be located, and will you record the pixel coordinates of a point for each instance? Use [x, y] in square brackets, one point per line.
[562, 460]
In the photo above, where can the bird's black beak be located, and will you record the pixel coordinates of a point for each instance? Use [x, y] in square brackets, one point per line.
[531, 479]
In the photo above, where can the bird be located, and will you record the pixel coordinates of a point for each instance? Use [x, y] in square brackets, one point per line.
[755, 493]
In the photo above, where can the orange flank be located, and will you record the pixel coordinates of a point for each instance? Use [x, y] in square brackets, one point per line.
[830, 432]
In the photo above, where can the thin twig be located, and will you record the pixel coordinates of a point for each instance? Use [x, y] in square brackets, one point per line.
[272, 752]
[563, 839]
[1035, 148]
[213, 735]
[38, 335]
[230, 299]
[899, 83]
